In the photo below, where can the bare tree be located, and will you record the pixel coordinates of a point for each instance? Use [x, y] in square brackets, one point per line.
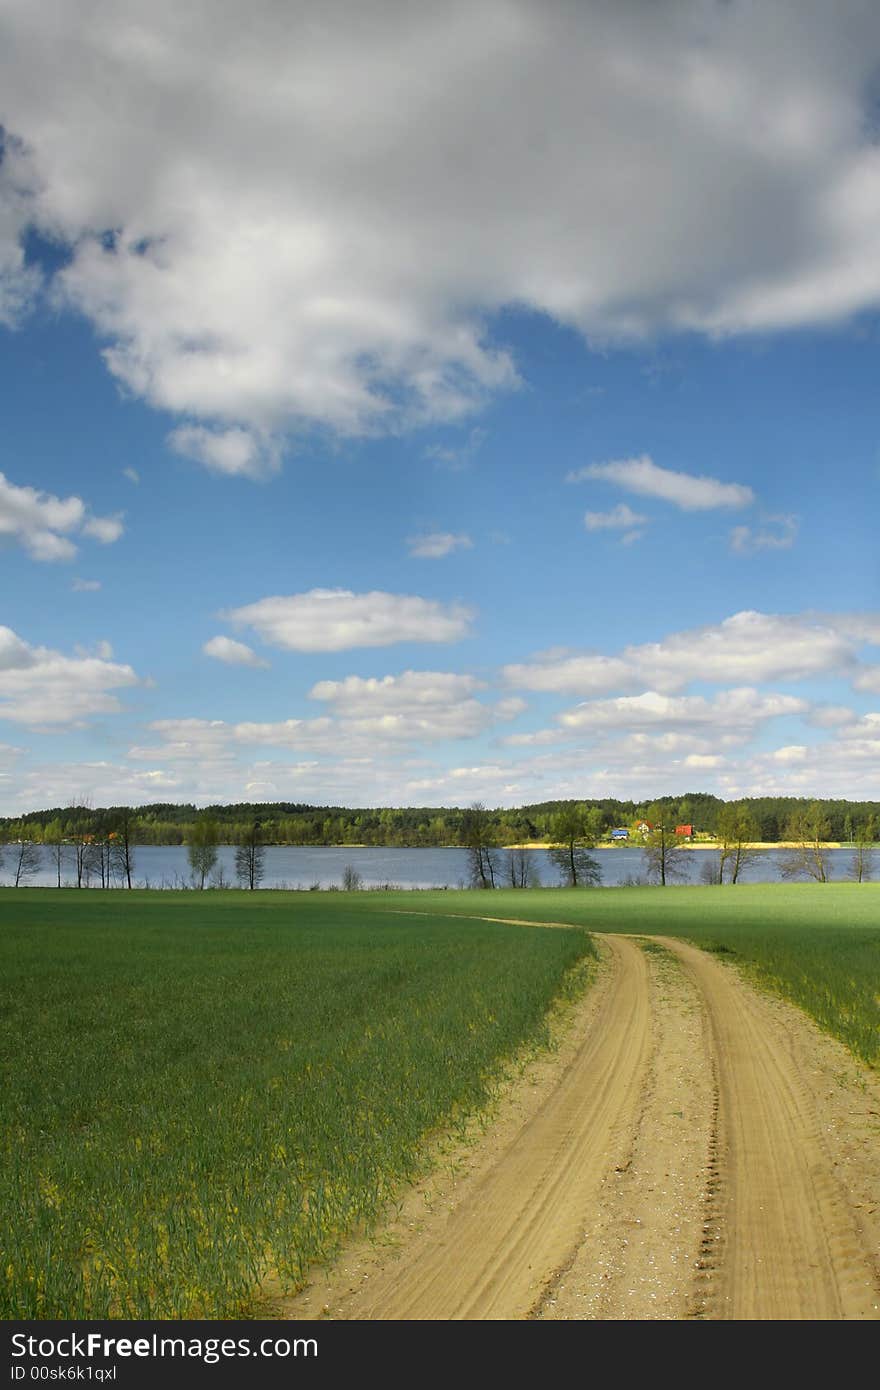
[81, 840]
[477, 838]
[352, 881]
[712, 868]
[88, 856]
[27, 860]
[520, 870]
[121, 847]
[53, 837]
[101, 849]
[250, 857]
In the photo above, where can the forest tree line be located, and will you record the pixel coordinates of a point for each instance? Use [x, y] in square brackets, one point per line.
[285, 823]
[98, 846]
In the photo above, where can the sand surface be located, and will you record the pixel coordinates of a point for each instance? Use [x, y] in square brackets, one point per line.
[692, 1148]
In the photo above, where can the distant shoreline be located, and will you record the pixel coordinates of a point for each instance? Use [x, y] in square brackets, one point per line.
[688, 844]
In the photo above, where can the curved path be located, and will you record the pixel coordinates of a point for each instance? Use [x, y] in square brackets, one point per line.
[677, 1164]
[519, 1220]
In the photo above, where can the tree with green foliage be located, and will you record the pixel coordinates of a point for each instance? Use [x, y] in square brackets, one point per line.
[737, 830]
[861, 865]
[664, 854]
[201, 847]
[808, 829]
[575, 830]
[479, 841]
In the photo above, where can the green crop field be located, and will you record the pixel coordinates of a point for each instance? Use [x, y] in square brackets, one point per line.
[199, 1088]
[817, 945]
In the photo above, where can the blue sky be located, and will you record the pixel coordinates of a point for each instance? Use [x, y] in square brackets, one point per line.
[374, 436]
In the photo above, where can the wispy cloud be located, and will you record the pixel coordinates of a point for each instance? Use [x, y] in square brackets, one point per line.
[437, 544]
[774, 533]
[457, 456]
[687, 491]
[620, 518]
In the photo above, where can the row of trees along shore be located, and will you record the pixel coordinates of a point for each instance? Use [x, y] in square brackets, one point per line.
[90, 846]
[290, 823]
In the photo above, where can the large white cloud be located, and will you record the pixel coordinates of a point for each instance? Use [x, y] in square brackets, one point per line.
[41, 688]
[357, 697]
[366, 716]
[416, 706]
[19, 282]
[332, 620]
[731, 710]
[748, 646]
[298, 215]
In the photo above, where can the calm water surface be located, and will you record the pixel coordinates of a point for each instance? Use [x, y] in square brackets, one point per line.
[293, 866]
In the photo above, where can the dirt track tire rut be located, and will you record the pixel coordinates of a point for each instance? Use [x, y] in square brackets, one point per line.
[783, 1242]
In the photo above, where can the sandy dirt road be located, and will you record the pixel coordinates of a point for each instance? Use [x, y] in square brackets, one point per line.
[784, 1239]
[693, 1150]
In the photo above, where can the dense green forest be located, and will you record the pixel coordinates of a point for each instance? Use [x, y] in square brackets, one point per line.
[291, 823]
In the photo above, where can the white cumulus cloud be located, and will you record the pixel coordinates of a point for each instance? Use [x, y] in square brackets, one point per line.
[40, 687]
[748, 646]
[43, 523]
[332, 620]
[733, 710]
[232, 652]
[230, 451]
[248, 231]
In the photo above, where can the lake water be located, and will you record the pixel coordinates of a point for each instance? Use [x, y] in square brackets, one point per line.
[294, 866]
